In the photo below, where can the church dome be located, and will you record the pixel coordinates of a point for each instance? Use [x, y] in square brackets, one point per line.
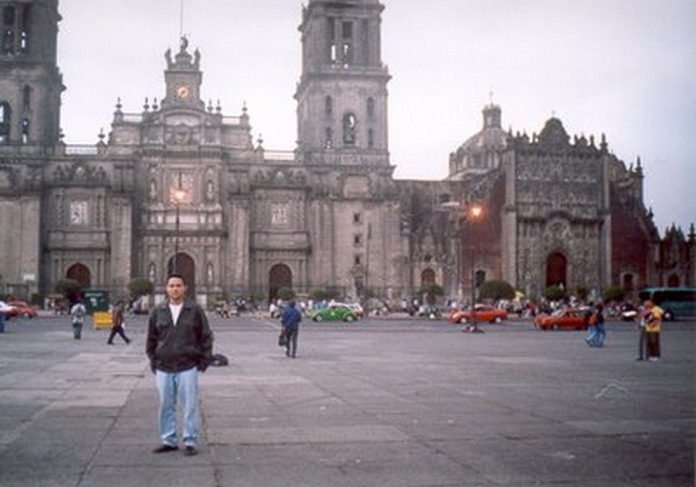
[481, 152]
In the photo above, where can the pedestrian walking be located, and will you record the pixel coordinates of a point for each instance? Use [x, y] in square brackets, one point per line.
[590, 321]
[77, 318]
[117, 324]
[652, 317]
[600, 331]
[179, 345]
[290, 320]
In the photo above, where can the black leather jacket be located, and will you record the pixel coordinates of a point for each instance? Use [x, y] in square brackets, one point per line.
[175, 348]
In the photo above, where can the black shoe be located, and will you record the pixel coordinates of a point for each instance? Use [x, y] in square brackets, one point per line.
[164, 448]
[109, 343]
[190, 451]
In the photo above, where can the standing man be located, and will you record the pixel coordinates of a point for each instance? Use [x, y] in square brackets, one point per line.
[290, 320]
[179, 345]
[77, 317]
[117, 324]
[653, 323]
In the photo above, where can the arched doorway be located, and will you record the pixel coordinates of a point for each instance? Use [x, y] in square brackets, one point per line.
[556, 270]
[427, 278]
[81, 274]
[279, 277]
[185, 266]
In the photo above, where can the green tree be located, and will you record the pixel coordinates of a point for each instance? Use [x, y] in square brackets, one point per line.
[140, 286]
[431, 293]
[496, 290]
[69, 288]
[554, 293]
[325, 294]
[614, 293]
[286, 293]
[582, 293]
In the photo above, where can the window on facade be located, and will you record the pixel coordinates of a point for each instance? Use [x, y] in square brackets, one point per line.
[331, 37]
[347, 45]
[480, 277]
[333, 54]
[427, 278]
[357, 218]
[357, 239]
[347, 54]
[370, 107]
[24, 35]
[628, 282]
[5, 119]
[8, 16]
[25, 131]
[8, 42]
[328, 107]
[23, 42]
[349, 129]
[357, 259]
[371, 138]
[328, 138]
[8, 36]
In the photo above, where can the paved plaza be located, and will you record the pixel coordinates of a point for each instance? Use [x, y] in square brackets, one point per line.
[390, 402]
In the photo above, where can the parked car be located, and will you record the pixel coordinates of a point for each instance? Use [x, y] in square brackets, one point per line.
[570, 318]
[334, 312]
[482, 313]
[21, 308]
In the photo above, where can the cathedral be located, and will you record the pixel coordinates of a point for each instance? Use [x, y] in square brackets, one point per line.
[181, 186]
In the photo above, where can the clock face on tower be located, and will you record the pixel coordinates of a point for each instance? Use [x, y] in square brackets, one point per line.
[183, 92]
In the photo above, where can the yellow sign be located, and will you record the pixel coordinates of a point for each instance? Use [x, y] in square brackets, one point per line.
[101, 319]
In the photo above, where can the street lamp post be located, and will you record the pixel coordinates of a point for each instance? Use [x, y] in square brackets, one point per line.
[179, 195]
[474, 213]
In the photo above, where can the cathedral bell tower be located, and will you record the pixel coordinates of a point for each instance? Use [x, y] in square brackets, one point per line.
[342, 93]
[30, 82]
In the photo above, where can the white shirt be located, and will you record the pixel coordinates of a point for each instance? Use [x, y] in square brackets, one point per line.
[176, 311]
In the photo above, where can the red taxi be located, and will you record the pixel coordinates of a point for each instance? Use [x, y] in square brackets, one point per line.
[482, 313]
[570, 319]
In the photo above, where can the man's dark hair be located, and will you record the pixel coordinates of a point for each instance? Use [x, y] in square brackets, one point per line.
[176, 275]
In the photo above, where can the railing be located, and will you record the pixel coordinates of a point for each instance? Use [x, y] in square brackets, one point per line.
[81, 150]
[278, 155]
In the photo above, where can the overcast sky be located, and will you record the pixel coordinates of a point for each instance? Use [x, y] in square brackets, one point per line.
[625, 68]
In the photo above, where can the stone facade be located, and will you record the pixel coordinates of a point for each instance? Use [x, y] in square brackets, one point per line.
[182, 186]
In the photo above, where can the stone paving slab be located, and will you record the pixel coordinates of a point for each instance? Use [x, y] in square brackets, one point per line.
[393, 403]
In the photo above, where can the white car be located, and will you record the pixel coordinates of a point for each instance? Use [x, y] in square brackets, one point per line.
[5, 308]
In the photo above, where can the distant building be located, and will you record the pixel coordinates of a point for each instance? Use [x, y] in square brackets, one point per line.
[181, 186]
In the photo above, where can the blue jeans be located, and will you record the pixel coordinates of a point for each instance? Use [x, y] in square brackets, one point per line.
[184, 387]
[291, 334]
[600, 334]
[596, 335]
